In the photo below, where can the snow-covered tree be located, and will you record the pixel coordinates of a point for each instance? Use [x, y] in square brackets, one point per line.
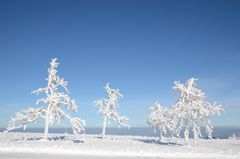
[160, 120]
[192, 110]
[108, 108]
[53, 102]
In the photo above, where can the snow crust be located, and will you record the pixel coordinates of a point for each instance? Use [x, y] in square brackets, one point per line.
[32, 145]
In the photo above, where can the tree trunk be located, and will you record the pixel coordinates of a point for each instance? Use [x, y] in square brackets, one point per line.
[160, 135]
[45, 136]
[104, 127]
[186, 136]
[194, 129]
[209, 132]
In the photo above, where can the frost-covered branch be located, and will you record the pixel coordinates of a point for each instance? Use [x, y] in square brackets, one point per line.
[25, 117]
[77, 125]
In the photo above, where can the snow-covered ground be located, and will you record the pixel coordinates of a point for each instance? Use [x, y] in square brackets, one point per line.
[31, 145]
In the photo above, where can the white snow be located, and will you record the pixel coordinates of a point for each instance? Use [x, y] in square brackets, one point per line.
[31, 145]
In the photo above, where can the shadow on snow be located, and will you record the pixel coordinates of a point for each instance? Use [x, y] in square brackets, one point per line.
[157, 142]
[54, 138]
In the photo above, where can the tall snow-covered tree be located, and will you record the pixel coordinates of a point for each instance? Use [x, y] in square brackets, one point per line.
[160, 120]
[53, 104]
[108, 108]
[192, 110]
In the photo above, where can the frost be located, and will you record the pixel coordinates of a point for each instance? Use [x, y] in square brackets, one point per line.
[160, 120]
[108, 108]
[53, 104]
[192, 110]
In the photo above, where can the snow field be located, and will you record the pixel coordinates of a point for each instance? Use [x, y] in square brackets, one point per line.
[32, 145]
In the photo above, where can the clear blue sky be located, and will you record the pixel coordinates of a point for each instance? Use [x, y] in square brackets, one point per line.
[140, 47]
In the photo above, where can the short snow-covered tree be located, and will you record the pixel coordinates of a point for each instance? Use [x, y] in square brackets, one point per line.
[108, 108]
[192, 110]
[54, 103]
[160, 120]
